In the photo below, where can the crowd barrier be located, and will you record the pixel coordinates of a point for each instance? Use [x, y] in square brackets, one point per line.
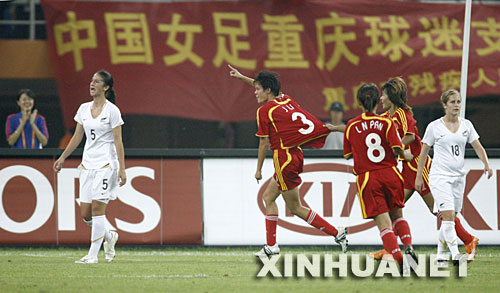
[210, 197]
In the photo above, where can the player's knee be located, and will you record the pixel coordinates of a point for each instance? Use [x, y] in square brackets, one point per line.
[268, 198]
[294, 209]
[88, 221]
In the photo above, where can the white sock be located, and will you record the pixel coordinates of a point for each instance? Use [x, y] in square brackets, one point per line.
[107, 235]
[98, 233]
[441, 248]
[450, 235]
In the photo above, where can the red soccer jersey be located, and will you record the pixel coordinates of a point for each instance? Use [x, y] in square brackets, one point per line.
[405, 123]
[288, 125]
[370, 139]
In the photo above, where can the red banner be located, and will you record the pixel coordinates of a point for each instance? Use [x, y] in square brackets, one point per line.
[39, 206]
[170, 58]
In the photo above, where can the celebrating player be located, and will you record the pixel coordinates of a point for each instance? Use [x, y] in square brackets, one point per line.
[371, 141]
[394, 102]
[449, 135]
[284, 125]
[103, 162]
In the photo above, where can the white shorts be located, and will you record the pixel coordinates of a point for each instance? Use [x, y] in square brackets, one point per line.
[98, 184]
[448, 192]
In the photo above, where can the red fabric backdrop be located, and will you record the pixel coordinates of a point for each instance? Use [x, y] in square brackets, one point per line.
[170, 58]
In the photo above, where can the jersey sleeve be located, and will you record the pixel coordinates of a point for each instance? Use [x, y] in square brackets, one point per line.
[347, 143]
[392, 136]
[262, 123]
[411, 124]
[473, 135]
[115, 117]
[429, 137]
[78, 115]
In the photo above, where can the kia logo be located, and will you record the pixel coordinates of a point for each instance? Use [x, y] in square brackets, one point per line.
[327, 200]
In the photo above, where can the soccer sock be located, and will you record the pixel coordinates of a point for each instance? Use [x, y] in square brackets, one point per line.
[402, 229]
[450, 236]
[318, 222]
[462, 233]
[98, 231]
[441, 249]
[271, 222]
[391, 244]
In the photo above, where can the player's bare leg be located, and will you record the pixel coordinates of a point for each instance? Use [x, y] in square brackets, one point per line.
[86, 213]
[470, 241]
[394, 215]
[270, 195]
[389, 240]
[292, 200]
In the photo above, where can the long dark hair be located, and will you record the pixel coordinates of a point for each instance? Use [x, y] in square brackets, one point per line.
[108, 80]
[369, 96]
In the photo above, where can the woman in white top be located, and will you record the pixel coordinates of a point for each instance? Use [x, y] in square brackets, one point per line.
[103, 163]
[449, 135]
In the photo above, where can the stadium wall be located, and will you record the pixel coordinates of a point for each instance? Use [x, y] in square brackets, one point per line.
[210, 197]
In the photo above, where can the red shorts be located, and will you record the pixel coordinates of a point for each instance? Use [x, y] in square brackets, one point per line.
[288, 165]
[410, 173]
[380, 191]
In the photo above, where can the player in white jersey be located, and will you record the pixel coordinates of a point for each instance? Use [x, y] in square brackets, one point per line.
[103, 163]
[449, 135]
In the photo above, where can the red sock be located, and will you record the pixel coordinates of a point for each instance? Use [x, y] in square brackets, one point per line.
[402, 229]
[271, 222]
[391, 244]
[461, 233]
[318, 222]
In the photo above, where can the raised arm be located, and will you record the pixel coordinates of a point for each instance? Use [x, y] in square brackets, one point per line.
[263, 147]
[72, 145]
[422, 158]
[236, 74]
[481, 153]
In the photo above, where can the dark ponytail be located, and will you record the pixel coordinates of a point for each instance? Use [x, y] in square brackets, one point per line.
[108, 80]
[369, 96]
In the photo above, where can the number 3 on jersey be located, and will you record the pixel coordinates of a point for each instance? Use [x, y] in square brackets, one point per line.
[305, 121]
[373, 143]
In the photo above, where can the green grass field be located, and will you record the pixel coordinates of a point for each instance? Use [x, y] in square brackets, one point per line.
[202, 269]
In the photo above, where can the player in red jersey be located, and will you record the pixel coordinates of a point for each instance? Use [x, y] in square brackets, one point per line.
[285, 126]
[371, 141]
[394, 102]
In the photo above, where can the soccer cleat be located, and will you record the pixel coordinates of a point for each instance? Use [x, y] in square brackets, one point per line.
[341, 238]
[378, 255]
[109, 247]
[470, 248]
[411, 252]
[87, 260]
[268, 251]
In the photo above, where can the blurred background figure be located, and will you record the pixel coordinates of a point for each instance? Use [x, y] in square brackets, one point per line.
[335, 140]
[26, 129]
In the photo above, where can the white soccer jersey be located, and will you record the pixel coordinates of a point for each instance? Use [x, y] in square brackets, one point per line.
[449, 147]
[100, 148]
